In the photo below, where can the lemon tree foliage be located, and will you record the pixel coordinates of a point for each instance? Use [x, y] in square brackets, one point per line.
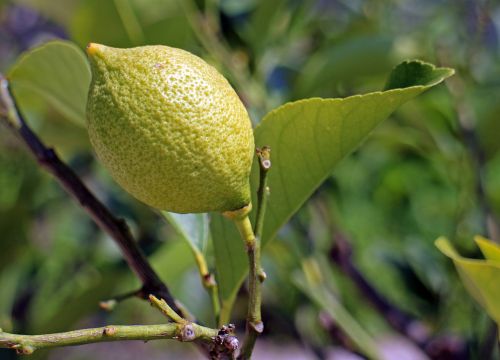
[307, 139]
[478, 276]
[56, 73]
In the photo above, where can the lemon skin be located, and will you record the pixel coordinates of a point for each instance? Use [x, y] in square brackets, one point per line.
[169, 128]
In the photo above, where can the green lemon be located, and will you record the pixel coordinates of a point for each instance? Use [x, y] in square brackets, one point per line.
[169, 128]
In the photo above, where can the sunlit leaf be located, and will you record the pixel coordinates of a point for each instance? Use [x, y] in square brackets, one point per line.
[480, 277]
[307, 139]
[490, 250]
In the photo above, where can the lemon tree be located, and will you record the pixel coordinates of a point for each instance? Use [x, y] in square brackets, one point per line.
[172, 132]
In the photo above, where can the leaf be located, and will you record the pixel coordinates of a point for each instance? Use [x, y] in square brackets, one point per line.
[314, 288]
[307, 139]
[192, 227]
[480, 277]
[56, 72]
[490, 250]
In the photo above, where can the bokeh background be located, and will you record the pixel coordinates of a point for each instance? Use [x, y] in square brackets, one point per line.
[432, 169]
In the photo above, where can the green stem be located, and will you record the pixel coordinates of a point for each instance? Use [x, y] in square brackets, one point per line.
[181, 329]
[166, 310]
[254, 320]
[27, 344]
[110, 304]
[225, 312]
[264, 156]
[208, 281]
[257, 275]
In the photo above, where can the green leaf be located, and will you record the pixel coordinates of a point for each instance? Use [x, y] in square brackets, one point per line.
[480, 277]
[57, 73]
[192, 227]
[313, 287]
[307, 139]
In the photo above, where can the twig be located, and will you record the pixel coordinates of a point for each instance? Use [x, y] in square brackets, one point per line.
[166, 310]
[254, 326]
[114, 227]
[208, 282]
[27, 344]
[224, 343]
[264, 156]
[207, 278]
[110, 304]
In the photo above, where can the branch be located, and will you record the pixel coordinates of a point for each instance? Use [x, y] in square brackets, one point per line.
[224, 343]
[27, 344]
[116, 228]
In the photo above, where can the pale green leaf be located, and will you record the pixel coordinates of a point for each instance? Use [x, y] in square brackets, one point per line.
[325, 299]
[490, 250]
[307, 139]
[56, 72]
[480, 277]
[192, 227]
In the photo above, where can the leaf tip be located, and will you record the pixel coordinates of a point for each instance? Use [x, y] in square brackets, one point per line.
[417, 73]
[444, 245]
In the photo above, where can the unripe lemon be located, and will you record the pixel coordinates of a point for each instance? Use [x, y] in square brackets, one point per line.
[169, 128]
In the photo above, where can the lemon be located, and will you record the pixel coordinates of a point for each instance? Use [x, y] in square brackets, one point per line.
[169, 128]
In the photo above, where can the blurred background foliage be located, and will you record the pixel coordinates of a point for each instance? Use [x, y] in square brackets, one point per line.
[433, 169]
